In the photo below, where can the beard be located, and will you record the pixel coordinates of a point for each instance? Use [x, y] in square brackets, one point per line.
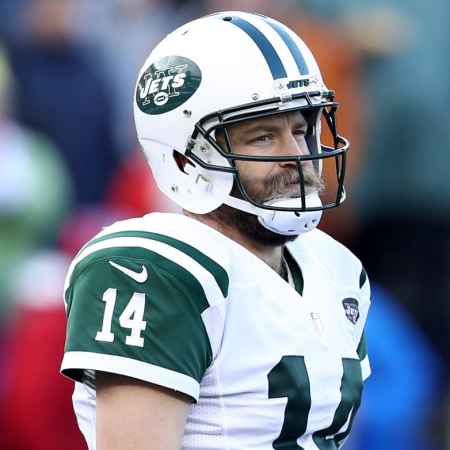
[248, 225]
[280, 186]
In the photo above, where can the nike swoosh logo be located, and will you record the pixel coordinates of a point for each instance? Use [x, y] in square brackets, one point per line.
[139, 277]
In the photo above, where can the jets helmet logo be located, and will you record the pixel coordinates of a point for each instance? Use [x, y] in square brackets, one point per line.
[167, 84]
[351, 308]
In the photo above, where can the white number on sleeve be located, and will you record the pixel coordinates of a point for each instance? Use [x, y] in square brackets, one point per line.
[131, 317]
[105, 335]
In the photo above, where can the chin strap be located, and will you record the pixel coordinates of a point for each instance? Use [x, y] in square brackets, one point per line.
[287, 223]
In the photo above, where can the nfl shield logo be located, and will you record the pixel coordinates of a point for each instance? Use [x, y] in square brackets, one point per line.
[351, 309]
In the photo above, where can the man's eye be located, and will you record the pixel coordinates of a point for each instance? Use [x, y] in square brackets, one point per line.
[300, 131]
[263, 138]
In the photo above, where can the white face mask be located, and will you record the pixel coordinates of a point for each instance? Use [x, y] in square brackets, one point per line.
[287, 223]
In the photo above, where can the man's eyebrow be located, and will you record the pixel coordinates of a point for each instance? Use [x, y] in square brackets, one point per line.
[269, 126]
[250, 128]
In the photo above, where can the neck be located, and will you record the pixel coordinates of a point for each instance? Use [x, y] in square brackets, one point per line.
[270, 254]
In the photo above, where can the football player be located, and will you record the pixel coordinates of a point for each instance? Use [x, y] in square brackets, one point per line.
[237, 324]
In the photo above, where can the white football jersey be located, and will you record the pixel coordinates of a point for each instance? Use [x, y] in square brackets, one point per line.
[268, 364]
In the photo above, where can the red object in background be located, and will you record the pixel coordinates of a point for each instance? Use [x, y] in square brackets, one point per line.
[83, 224]
[36, 407]
[133, 188]
[132, 193]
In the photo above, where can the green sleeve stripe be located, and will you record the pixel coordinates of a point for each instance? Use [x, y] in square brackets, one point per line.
[362, 277]
[216, 270]
[138, 249]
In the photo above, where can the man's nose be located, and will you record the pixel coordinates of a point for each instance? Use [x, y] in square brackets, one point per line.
[294, 145]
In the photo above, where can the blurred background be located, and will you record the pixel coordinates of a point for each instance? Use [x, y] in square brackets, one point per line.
[70, 164]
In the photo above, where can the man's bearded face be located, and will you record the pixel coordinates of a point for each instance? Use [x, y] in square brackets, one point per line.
[268, 181]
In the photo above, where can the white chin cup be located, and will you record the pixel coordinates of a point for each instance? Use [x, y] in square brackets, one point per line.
[292, 223]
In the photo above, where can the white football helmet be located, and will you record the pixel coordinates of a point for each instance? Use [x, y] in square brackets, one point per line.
[217, 71]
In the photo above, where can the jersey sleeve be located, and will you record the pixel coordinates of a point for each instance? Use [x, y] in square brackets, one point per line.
[137, 314]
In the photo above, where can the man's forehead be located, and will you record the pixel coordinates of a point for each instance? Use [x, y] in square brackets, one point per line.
[274, 120]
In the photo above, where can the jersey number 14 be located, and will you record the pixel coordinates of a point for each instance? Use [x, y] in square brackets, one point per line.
[131, 317]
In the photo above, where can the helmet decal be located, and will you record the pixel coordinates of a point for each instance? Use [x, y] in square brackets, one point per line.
[167, 84]
[291, 44]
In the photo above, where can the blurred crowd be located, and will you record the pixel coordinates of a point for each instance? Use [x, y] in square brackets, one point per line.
[70, 164]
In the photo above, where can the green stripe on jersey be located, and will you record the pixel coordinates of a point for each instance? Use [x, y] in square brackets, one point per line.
[296, 271]
[216, 270]
[362, 347]
[105, 316]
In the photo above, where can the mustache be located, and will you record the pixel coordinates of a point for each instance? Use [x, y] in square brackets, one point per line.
[288, 183]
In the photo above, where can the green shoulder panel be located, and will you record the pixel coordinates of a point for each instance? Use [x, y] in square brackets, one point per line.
[134, 303]
[216, 270]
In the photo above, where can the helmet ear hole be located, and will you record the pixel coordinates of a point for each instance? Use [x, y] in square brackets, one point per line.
[181, 161]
